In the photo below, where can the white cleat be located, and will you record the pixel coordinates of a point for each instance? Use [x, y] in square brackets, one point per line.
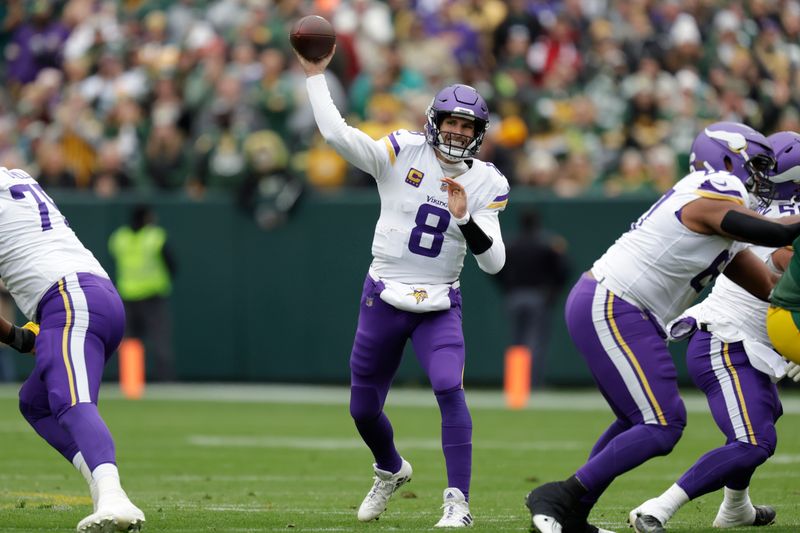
[545, 524]
[115, 512]
[385, 485]
[456, 510]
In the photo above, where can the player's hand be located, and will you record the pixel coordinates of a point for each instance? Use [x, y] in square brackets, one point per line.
[312, 68]
[793, 372]
[456, 198]
[23, 339]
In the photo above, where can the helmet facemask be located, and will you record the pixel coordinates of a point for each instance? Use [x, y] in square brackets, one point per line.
[455, 146]
[461, 101]
[759, 167]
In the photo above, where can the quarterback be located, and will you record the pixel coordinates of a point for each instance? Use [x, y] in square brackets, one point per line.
[731, 360]
[437, 201]
[57, 283]
[617, 313]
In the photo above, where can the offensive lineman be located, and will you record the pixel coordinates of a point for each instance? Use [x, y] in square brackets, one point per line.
[59, 284]
[437, 200]
[731, 360]
[617, 312]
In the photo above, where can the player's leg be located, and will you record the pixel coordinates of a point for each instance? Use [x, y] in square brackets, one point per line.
[745, 406]
[439, 344]
[630, 363]
[81, 325]
[377, 350]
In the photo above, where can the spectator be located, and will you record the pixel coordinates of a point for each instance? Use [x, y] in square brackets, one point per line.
[145, 268]
[532, 279]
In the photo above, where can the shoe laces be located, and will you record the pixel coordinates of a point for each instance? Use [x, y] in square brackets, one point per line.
[379, 486]
[451, 507]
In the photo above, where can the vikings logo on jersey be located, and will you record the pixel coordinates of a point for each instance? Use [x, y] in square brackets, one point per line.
[419, 294]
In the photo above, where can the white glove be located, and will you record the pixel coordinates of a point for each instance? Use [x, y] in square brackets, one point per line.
[793, 371]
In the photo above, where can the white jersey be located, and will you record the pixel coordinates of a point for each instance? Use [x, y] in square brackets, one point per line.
[416, 238]
[660, 264]
[37, 246]
[731, 311]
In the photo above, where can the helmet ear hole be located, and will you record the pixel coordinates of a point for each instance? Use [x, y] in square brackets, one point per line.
[728, 164]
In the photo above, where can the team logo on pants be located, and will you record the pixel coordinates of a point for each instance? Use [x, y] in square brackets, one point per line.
[419, 294]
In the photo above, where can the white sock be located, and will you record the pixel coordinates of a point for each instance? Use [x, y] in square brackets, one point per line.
[82, 467]
[666, 505]
[736, 498]
[106, 476]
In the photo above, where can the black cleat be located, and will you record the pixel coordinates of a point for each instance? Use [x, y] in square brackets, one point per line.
[648, 524]
[576, 522]
[548, 504]
[765, 515]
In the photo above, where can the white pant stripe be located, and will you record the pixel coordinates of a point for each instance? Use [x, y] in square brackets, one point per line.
[728, 391]
[618, 357]
[77, 352]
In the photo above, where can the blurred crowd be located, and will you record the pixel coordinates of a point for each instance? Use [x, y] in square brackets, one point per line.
[588, 96]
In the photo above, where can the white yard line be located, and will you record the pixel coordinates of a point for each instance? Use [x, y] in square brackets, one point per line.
[575, 400]
[323, 443]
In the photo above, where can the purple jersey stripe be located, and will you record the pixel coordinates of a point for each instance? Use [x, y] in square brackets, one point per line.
[394, 144]
[709, 185]
[501, 198]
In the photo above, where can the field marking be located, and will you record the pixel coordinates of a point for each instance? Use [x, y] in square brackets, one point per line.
[585, 399]
[320, 443]
[37, 498]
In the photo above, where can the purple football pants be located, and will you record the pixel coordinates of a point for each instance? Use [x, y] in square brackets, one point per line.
[628, 357]
[745, 406]
[438, 342]
[82, 321]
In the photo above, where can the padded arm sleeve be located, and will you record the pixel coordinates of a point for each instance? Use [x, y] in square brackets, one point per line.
[485, 241]
[758, 231]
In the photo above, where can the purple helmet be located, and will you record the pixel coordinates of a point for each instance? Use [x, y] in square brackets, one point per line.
[461, 101]
[740, 150]
[786, 145]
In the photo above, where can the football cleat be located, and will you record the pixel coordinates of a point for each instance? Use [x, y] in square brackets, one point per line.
[385, 485]
[456, 510]
[115, 512]
[646, 523]
[577, 523]
[757, 515]
[548, 504]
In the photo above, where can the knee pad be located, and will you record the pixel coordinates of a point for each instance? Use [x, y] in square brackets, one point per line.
[365, 404]
[453, 407]
[666, 437]
[752, 456]
[32, 412]
[767, 439]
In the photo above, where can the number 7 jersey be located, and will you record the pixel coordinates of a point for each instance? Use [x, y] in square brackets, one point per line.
[37, 246]
[660, 264]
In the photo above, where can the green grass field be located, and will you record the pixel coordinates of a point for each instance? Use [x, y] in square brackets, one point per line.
[259, 458]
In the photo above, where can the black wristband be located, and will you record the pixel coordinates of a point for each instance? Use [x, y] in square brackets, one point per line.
[758, 231]
[477, 240]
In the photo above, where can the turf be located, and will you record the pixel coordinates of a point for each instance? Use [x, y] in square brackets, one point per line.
[250, 459]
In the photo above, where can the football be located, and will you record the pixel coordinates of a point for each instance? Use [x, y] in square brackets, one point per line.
[313, 37]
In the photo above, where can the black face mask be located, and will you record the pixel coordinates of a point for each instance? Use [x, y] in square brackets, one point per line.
[759, 167]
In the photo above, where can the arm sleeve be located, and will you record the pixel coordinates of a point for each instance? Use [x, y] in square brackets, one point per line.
[759, 231]
[358, 148]
[493, 259]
